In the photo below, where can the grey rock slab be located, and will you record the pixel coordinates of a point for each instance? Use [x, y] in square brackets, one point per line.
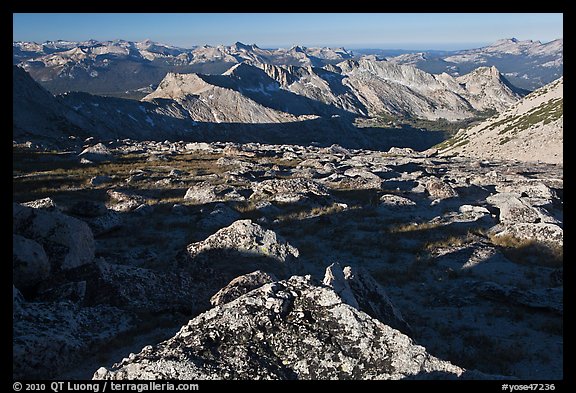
[288, 190]
[202, 192]
[393, 201]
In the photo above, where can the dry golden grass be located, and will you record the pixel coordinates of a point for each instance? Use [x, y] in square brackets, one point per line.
[529, 252]
[414, 227]
[41, 174]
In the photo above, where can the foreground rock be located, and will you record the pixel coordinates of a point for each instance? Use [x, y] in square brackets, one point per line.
[50, 337]
[285, 330]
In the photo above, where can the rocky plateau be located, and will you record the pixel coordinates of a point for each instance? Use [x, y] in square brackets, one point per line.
[193, 260]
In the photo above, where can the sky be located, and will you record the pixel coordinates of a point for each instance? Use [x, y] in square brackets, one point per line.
[351, 30]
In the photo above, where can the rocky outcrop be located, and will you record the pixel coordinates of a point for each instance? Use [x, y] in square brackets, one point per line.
[67, 241]
[44, 203]
[396, 201]
[245, 236]
[204, 192]
[521, 220]
[285, 330]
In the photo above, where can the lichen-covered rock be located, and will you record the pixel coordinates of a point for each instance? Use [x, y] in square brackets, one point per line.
[67, 241]
[392, 201]
[360, 178]
[285, 330]
[541, 232]
[246, 237]
[437, 188]
[202, 192]
[241, 285]
[49, 337]
[513, 209]
[124, 202]
[289, 190]
[44, 203]
[30, 263]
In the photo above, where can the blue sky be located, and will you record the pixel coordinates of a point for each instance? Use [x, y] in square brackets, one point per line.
[351, 30]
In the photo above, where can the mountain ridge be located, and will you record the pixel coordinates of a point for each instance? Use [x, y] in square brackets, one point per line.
[531, 130]
[109, 67]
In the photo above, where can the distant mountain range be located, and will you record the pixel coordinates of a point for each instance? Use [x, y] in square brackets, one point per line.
[255, 101]
[124, 68]
[133, 69]
[526, 64]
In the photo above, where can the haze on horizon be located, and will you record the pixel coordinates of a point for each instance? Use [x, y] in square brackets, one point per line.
[350, 30]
